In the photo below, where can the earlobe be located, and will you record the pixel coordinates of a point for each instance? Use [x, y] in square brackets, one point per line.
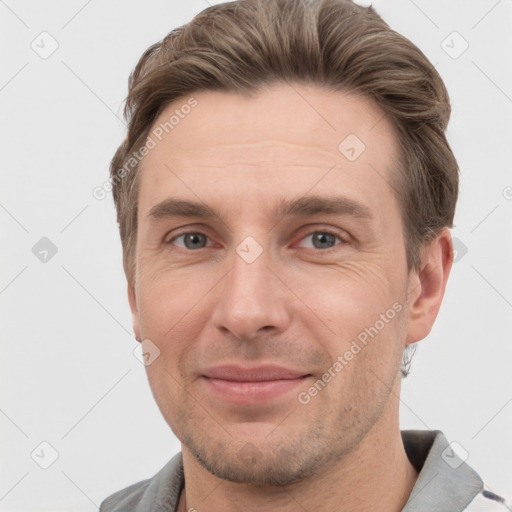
[132, 299]
[427, 286]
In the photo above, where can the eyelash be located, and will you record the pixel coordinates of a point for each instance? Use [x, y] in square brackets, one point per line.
[322, 231]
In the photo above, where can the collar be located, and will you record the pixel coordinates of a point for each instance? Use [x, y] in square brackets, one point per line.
[445, 481]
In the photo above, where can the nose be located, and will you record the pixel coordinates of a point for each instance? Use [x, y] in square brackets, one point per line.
[252, 299]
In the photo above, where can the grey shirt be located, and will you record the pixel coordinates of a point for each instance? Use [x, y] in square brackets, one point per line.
[445, 482]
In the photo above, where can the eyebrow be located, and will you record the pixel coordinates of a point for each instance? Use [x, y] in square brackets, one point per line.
[303, 206]
[180, 208]
[313, 205]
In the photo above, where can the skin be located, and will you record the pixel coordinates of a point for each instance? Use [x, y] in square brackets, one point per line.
[299, 304]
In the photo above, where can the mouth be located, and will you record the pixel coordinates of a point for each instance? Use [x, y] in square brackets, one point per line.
[245, 386]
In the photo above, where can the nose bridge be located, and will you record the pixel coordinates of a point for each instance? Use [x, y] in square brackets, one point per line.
[251, 297]
[249, 277]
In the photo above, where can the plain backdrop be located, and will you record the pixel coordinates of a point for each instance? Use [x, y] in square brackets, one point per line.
[69, 377]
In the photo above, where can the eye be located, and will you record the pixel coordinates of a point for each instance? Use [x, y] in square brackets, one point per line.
[191, 240]
[323, 240]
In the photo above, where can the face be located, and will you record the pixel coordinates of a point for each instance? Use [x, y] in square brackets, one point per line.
[270, 236]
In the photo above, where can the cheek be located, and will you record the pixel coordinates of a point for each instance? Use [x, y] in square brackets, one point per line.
[351, 292]
[172, 310]
[169, 293]
[364, 310]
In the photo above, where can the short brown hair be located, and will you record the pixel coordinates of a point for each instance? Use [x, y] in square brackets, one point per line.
[244, 45]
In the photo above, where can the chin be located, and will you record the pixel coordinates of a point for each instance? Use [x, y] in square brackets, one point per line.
[263, 463]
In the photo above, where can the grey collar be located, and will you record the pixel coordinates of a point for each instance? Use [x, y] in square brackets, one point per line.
[444, 482]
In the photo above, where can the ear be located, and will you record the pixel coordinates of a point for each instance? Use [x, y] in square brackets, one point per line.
[427, 285]
[132, 299]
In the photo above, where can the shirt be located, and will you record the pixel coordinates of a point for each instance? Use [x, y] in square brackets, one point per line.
[445, 482]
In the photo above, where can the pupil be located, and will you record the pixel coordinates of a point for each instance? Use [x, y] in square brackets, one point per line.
[325, 240]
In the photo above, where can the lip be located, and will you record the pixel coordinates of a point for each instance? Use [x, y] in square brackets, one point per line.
[257, 374]
[244, 386]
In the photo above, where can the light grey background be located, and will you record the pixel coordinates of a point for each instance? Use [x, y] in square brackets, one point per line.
[69, 375]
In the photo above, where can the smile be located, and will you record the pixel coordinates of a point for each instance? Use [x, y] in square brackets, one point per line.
[242, 386]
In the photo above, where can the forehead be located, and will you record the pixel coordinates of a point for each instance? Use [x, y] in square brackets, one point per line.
[279, 142]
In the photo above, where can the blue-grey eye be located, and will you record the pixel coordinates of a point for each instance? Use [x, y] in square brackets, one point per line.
[192, 240]
[323, 240]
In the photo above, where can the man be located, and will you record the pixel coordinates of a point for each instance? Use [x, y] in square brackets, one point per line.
[284, 195]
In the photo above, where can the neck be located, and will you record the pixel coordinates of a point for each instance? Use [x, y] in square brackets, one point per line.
[375, 475]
